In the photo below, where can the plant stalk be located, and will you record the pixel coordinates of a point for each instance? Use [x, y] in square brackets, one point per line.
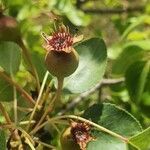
[38, 99]
[5, 114]
[98, 127]
[15, 105]
[52, 103]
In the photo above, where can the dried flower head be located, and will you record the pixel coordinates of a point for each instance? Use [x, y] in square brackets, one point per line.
[80, 132]
[61, 40]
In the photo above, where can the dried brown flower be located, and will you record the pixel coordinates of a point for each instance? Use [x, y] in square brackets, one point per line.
[80, 132]
[61, 40]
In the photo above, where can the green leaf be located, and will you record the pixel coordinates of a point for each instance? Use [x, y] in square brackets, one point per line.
[143, 44]
[6, 91]
[114, 119]
[2, 140]
[137, 22]
[38, 60]
[142, 140]
[92, 64]
[132, 52]
[137, 77]
[77, 17]
[10, 57]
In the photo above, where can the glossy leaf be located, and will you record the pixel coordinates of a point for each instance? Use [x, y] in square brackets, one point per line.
[38, 60]
[92, 64]
[142, 140]
[10, 57]
[6, 91]
[137, 77]
[114, 119]
[132, 52]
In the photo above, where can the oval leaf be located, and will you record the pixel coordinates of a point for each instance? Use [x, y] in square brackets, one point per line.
[6, 91]
[114, 119]
[10, 57]
[142, 140]
[132, 53]
[92, 64]
[137, 77]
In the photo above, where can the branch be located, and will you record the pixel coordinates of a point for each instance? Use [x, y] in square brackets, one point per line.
[75, 101]
[114, 10]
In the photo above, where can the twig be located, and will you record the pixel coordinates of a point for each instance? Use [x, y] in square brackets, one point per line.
[45, 144]
[5, 114]
[52, 103]
[29, 144]
[18, 88]
[98, 127]
[6, 126]
[38, 99]
[27, 122]
[26, 134]
[15, 105]
[49, 108]
[75, 101]
[24, 109]
[50, 120]
[7, 118]
[114, 10]
[46, 94]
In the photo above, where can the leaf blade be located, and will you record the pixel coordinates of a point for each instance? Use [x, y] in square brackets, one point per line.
[10, 57]
[114, 119]
[92, 62]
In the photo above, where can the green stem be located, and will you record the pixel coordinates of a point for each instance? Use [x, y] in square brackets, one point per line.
[15, 105]
[27, 122]
[59, 90]
[86, 121]
[47, 92]
[14, 101]
[52, 103]
[24, 109]
[28, 59]
[45, 144]
[5, 114]
[26, 135]
[38, 99]
[18, 88]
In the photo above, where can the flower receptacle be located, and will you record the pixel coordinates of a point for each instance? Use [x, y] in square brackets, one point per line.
[62, 64]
